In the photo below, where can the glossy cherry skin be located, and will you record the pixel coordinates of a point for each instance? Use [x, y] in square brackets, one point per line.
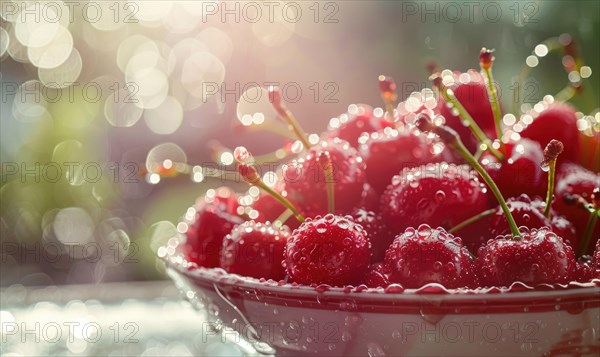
[476, 234]
[521, 171]
[215, 217]
[470, 90]
[439, 195]
[369, 199]
[595, 263]
[575, 180]
[306, 185]
[539, 256]
[268, 209]
[379, 235]
[358, 120]
[427, 255]
[559, 122]
[389, 152]
[328, 250]
[589, 153]
[376, 276]
[256, 250]
[530, 213]
[585, 271]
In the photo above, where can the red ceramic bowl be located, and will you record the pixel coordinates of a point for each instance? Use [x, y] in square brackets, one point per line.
[288, 319]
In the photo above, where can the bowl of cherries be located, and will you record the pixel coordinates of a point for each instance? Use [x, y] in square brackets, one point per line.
[434, 226]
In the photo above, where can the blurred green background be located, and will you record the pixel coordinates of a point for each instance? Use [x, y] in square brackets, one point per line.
[76, 202]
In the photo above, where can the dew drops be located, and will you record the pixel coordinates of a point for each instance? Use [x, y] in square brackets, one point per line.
[321, 227]
[440, 196]
[343, 224]
[241, 154]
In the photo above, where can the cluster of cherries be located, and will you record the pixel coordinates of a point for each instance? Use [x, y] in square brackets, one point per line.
[409, 198]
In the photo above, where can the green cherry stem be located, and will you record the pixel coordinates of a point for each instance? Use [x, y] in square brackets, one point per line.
[462, 112]
[451, 138]
[283, 217]
[325, 160]
[250, 175]
[486, 61]
[467, 222]
[589, 230]
[286, 114]
[551, 152]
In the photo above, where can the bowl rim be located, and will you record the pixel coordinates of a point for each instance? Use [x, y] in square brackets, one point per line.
[218, 277]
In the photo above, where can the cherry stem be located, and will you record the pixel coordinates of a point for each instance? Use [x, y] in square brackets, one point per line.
[387, 86]
[462, 112]
[283, 217]
[486, 61]
[325, 161]
[551, 152]
[589, 230]
[286, 114]
[566, 94]
[273, 127]
[250, 175]
[452, 139]
[471, 220]
[180, 168]
[579, 202]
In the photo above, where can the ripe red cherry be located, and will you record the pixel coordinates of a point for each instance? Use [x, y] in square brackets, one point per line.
[557, 121]
[521, 171]
[223, 198]
[584, 270]
[475, 234]
[576, 181]
[379, 235]
[470, 90]
[539, 256]
[387, 153]
[268, 209]
[358, 120]
[440, 195]
[426, 255]
[596, 260]
[369, 199]
[214, 218]
[590, 151]
[306, 183]
[328, 250]
[376, 276]
[256, 250]
[530, 213]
